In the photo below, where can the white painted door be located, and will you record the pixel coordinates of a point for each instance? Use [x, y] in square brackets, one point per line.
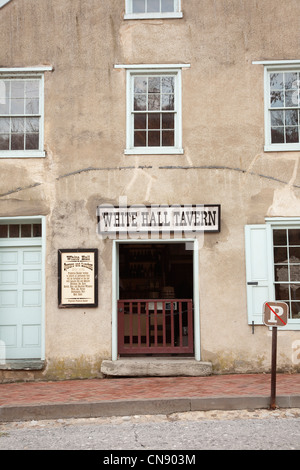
[21, 301]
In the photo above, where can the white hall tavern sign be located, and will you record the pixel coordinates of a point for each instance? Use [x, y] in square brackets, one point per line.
[158, 219]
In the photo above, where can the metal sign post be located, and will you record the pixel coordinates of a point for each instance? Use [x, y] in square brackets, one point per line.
[274, 314]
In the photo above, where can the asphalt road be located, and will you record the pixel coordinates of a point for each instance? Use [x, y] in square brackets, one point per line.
[194, 431]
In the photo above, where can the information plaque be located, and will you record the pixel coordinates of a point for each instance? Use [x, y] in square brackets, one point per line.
[77, 278]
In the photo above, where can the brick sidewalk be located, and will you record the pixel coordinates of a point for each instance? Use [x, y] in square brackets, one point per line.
[99, 390]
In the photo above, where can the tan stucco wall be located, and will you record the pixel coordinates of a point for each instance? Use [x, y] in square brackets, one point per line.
[223, 162]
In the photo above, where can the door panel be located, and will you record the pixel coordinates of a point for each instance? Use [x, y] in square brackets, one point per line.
[21, 301]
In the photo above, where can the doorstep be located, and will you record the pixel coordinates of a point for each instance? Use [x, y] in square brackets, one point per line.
[22, 364]
[156, 367]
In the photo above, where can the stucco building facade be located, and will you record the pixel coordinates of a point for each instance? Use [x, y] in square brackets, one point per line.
[150, 185]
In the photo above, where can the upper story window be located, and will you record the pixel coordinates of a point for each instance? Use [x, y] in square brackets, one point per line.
[138, 9]
[154, 123]
[282, 105]
[21, 114]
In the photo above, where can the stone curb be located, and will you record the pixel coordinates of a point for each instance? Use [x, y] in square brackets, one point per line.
[140, 407]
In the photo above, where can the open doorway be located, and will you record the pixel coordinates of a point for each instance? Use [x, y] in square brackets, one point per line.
[155, 307]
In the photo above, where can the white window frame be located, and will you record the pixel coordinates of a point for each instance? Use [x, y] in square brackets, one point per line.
[271, 67]
[23, 73]
[129, 15]
[147, 70]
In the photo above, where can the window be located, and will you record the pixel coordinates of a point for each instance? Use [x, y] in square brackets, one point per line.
[154, 109]
[26, 230]
[282, 105]
[21, 114]
[273, 267]
[138, 9]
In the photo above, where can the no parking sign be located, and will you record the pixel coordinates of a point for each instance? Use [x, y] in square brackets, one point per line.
[275, 313]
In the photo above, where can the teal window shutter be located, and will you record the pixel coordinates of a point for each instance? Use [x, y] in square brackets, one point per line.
[258, 246]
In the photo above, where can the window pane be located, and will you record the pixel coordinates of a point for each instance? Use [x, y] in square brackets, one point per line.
[4, 125]
[154, 85]
[17, 142]
[282, 292]
[291, 117]
[153, 6]
[292, 135]
[140, 139]
[154, 138]
[291, 99]
[17, 106]
[168, 138]
[4, 142]
[140, 121]
[295, 273]
[277, 99]
[277, 118]
[294, 236]
[154, 102]
[3, 231]
[154, 121]
[279, 237]
[32, 142]
[14, 231]
[17, 125]
[276, 81]
[17, 89]
[167, 5]
[138, 6]
[167, 85]
[290, 80]
[168, 121]
[140, 102]
[281, 273]
[280, 255]
[4, 96]
[32, 88]
[167, 102]
[25, 230]
[277, 135]
[140, 85]
[32, 124]
[295, 309]
[37, 230]
[32, 106]
[295, 292]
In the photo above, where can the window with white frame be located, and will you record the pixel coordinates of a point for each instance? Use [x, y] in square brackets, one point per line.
[273, 267]
[138, 9]
[154, 111]
[21, 114]
[282, 108]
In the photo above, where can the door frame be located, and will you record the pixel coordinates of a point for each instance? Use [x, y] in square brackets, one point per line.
[10, 242]
[115, 288]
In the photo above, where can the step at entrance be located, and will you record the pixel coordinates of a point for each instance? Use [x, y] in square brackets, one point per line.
[156, 367]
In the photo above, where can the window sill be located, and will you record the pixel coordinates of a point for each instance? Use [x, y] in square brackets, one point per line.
[151, 16]
[154, 151]
[282, 148]
[22, 154]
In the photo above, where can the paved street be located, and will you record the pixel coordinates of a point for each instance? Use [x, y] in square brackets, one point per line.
[191, 431]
